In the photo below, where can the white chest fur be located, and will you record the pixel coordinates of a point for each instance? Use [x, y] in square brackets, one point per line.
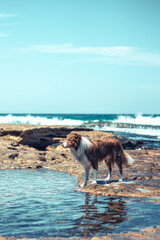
[80, 153]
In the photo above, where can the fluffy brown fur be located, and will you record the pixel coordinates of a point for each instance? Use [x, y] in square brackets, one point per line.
[89, 153]
[108, 149]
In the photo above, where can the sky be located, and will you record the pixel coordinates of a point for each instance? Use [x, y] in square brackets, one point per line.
[80, 56]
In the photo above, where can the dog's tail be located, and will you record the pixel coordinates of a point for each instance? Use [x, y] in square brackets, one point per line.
[127, 160]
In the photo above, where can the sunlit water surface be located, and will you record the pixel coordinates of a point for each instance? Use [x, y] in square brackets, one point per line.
[43, 203]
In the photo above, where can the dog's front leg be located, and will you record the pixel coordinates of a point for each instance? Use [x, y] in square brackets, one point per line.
[95, 176]
[109, 173]
[86, 177]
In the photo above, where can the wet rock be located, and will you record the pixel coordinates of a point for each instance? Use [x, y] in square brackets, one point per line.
[24, 151]
[10, 132]
[13, 156]
[39, 166]
[21, 147]
[42, 138]
[130, 144]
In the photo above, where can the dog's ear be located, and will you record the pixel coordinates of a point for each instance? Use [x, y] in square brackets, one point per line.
[77, 136]
[73, 140]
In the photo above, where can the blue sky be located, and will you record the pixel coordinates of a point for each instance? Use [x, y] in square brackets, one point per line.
[80, 56]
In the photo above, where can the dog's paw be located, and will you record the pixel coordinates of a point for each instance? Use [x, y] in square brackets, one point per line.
[120, 180]
[94, 182]
[107, 179]
[83, 185]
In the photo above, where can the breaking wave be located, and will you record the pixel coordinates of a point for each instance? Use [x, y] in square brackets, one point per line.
[126, 125]
[139, 119]
[39, 120]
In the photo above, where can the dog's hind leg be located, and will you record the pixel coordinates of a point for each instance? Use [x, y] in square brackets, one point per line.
[108, 162]
[95, 169]
[95, 176]
[119, 164]
[109, 172]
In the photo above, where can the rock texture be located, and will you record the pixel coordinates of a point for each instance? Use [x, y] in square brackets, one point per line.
[40, 138]
[34, 147]
[24, 146]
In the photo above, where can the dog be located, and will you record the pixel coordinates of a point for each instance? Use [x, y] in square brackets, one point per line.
[89, 153]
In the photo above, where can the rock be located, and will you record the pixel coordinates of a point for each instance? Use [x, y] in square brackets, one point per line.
[129, 144]
[40, 147]
[41, 138]
[22, 145]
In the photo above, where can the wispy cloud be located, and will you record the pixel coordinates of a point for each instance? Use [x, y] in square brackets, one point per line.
[68, 48]
[107, 54]
[4, 35]
[6, 15]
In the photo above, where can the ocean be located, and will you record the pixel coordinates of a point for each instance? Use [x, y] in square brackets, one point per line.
[136, 127]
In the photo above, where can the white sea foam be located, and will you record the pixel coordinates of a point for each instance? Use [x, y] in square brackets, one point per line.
[139, 119]
[36, 120]
[142, 125]
[138, 131]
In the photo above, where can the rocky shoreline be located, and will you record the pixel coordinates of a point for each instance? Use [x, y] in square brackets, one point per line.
[35, 147]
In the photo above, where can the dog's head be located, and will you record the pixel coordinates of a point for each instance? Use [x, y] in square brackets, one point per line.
[72, 141]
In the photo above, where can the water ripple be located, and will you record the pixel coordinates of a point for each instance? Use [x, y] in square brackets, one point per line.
[42, 203]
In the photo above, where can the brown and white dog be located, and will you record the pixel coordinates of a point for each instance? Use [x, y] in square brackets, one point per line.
[89, 153]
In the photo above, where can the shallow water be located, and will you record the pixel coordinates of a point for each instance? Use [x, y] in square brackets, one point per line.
[42, 203]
